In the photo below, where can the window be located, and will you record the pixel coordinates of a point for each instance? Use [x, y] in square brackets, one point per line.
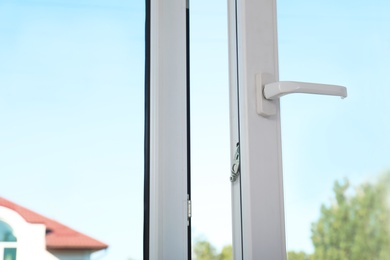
[9, 254]
[7, 242]
[6, 233]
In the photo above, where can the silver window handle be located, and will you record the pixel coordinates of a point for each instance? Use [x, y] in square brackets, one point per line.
[268, 91]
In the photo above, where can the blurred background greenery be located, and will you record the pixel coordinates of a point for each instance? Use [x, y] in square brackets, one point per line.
[354, 225]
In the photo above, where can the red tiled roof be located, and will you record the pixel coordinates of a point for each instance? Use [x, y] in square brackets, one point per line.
[58, 236]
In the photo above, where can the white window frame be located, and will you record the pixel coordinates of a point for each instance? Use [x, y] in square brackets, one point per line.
[257, 194]
[169, 223]
[257, 191]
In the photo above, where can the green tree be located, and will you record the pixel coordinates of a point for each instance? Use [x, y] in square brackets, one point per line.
[355, 227]
[226, 253]
[204, 250]
[292, 255]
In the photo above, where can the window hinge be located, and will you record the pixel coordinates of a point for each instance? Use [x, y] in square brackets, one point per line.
[189, 210]
[236, 165]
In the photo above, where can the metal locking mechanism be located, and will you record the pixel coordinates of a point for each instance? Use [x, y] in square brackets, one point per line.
[236, 165]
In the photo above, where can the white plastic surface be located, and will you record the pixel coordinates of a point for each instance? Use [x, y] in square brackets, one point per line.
[265, 107]
[168, 133]
[257, 195]
[268, 91]
[277, 89]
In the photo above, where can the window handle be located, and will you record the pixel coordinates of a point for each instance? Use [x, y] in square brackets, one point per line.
[277, 89]
[268, 91]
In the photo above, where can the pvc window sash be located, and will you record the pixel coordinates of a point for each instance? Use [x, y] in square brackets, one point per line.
[168, 236]
[257, 195]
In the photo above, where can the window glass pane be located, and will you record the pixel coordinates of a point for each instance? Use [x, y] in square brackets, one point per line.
[336, 152]
[71, 115]
[6, 233]
[9, 254]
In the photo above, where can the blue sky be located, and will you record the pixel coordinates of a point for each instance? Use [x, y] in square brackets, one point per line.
[324, 139]
[71, 111]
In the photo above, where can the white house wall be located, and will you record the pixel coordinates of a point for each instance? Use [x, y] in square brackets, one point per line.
[73, 255]
[31, 243]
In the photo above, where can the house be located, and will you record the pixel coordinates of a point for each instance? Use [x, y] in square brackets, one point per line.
[26, 235]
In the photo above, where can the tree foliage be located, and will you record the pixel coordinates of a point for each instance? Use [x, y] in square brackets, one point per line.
[357, 226]
[226, 253]
[204, 250]
[291, 255]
